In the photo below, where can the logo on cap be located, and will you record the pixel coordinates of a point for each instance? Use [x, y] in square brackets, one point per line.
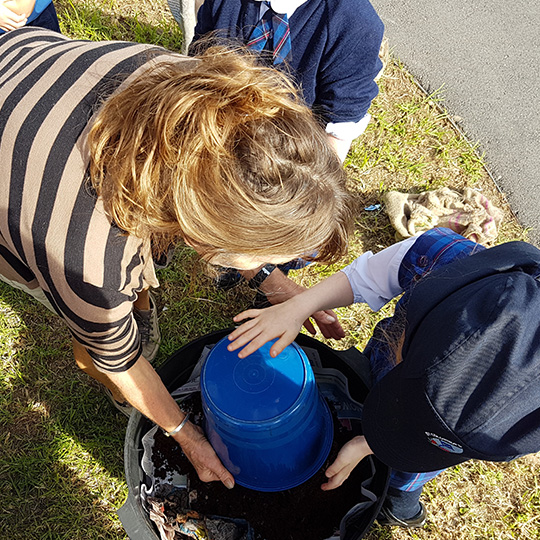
[444, 444]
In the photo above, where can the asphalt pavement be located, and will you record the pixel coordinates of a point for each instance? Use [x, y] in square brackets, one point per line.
[486, 57]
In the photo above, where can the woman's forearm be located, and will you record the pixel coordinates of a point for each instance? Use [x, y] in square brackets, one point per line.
[143, 388]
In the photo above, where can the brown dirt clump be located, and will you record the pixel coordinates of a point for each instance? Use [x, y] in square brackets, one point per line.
[305, 512]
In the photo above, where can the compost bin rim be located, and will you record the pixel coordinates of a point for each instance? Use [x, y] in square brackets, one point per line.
[141, 527]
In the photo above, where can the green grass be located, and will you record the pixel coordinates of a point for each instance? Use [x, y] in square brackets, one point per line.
[61, 448]
[61, 444]
[109, 21]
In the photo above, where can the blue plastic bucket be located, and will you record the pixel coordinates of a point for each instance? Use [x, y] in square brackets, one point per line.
[265, 417]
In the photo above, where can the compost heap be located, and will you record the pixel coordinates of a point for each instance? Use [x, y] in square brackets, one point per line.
[183, 507]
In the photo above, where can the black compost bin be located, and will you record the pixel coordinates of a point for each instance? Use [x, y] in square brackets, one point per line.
[176, 371]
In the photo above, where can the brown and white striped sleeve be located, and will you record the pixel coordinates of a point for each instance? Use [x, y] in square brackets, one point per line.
[54, 232]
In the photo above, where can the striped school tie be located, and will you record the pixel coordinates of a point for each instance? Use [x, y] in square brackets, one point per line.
[272, 28]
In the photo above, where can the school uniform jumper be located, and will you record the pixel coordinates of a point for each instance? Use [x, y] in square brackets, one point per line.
[335, 49]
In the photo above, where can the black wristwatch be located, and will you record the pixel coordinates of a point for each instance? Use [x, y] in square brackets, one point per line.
[257, 280]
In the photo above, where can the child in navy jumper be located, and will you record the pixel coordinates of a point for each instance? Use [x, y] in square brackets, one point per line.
[334, 54]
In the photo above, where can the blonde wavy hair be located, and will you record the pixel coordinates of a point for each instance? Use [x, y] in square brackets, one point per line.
[222, 154]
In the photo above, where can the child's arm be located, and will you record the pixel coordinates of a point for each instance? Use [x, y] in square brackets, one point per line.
[9, 19]
[370, 278]
[14, 13]
[340, 146]
[285, 320]
[278, 288]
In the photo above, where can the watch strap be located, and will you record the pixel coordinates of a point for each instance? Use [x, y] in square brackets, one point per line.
[257, 280]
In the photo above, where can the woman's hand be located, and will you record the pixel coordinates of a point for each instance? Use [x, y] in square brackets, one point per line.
[10, 19]
[202, 456]
[348, 458]
[143, 388]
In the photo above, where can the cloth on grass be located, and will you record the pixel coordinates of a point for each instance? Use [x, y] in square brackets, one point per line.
[466, 212]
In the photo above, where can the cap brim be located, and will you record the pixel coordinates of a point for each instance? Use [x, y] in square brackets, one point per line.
[404, 431]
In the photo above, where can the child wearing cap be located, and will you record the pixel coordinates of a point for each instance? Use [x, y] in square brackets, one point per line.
[454, 372]
[332, 53]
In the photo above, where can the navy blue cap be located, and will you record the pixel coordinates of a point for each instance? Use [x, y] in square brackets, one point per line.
[469, 382]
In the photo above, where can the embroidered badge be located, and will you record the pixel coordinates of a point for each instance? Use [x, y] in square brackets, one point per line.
[444, 444]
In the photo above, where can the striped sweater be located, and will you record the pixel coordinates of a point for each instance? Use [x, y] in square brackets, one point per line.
[54, 233]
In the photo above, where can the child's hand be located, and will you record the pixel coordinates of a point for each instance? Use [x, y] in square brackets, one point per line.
[281, 321]
[9, 20]
[348, 458]
[284, 320]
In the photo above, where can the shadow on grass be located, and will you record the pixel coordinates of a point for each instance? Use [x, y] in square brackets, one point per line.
[62, 444]
[61, 459]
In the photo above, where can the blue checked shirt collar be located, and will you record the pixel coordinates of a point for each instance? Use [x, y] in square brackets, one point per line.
[273, 27]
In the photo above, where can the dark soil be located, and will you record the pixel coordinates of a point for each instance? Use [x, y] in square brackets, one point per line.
[302, 513]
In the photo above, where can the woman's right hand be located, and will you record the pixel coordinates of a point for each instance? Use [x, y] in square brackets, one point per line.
[202, 456]
[144, 389]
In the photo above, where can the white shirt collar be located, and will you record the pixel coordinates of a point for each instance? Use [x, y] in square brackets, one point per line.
[285, 6]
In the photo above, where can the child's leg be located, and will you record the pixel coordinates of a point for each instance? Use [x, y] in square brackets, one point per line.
[185, 14]
[47, 19]
[403, 497]
[404, 505]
